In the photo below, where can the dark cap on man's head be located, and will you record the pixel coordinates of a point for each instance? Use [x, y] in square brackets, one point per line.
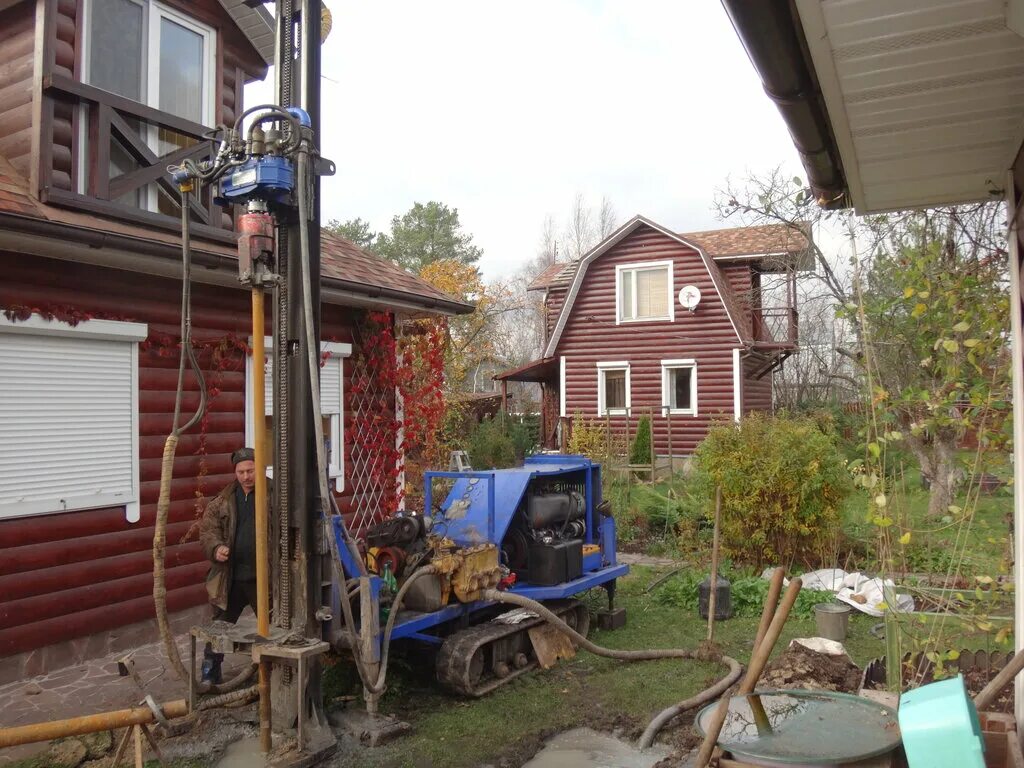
[242, 454]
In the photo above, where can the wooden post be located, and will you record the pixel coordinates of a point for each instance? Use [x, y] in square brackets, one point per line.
[713, 597]
[504, 400]
[671, 460]
[654, 453]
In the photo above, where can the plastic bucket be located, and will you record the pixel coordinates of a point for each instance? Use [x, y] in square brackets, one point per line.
[833, 620]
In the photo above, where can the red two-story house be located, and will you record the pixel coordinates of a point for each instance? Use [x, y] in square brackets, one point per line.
[97, 98]
[686, 328]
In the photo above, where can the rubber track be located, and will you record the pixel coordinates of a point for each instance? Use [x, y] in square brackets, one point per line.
[456, 654]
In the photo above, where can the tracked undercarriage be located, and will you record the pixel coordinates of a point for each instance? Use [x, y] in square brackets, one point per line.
[476, 660]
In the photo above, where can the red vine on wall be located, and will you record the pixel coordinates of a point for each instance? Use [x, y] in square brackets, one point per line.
[411, 367]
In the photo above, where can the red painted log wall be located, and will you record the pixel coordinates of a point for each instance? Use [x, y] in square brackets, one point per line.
[71, 574]
[706, 335]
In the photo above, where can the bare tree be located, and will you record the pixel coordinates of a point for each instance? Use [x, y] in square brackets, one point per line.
[607, 218]
[579, 231]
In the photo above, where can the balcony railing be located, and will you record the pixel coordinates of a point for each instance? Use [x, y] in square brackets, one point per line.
[131, 129]
[775, 326]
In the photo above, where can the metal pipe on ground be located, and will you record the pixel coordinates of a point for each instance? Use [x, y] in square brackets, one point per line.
[121, 718]
[76, 726]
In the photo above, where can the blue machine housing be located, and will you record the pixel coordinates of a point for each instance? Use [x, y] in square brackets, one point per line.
[480, 509]
[268, 177]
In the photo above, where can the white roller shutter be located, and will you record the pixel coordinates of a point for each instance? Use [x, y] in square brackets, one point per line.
[330, 385]
[68, 417]
[331, 401]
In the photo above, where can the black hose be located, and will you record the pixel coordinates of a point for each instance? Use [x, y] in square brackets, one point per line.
[510, 598]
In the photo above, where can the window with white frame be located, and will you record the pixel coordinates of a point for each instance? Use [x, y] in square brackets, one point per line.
[69, 416]
[644, 292]
[679, 387]
[332, 407]
[612, 389]
[159, 57]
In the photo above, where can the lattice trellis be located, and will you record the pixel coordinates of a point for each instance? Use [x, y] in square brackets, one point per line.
[371, 470]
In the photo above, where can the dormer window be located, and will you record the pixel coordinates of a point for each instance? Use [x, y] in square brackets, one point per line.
[159, 57]
[643, 292]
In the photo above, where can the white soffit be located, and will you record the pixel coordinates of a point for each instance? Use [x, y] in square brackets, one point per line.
[256, 23]
[925, 97]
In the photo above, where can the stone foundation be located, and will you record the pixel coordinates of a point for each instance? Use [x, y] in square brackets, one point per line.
[68, 653]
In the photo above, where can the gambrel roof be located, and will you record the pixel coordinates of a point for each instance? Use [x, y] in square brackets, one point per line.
[719, 244]
[740, 323]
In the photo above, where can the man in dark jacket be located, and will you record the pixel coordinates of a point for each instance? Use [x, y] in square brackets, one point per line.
[228, 537]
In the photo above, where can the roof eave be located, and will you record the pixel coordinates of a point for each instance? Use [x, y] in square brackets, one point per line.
[98, 242]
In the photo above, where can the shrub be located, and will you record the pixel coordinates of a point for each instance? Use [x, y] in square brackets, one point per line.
[588, 438]
[640, 451]
[523, 442]
[783, 483]
[489, 447]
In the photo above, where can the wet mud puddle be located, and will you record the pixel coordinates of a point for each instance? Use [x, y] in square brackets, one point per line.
[585, 748]
[244, 753]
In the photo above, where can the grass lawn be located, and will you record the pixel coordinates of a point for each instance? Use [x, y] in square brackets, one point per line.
[512, 722]
[983, 543]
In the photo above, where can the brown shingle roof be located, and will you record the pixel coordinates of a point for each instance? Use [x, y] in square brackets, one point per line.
[356, 269]
[749, 241]
[546, 278]
[343, 260]
[717, 243]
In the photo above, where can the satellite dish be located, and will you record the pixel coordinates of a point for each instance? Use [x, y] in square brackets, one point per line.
[689, 297]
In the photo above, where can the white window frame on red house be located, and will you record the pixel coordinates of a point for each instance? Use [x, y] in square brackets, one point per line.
[152, 14]
[633, 269]
[332, 405]
[667, 366]
[602, 370]
[84, 447]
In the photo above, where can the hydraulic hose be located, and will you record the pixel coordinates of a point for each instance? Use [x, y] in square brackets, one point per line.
[378, 685]
[231, 685]
[312, 347]
[171, 444]
[709, 694]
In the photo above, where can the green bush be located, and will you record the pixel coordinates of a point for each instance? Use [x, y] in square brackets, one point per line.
[587, 438]
[489, 447]
[522, 438]
[783, 483]
[640, 451]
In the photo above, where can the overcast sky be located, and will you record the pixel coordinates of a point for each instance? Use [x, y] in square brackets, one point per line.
[507, 111]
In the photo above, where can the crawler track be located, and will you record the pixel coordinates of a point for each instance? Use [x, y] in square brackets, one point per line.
[476, 660]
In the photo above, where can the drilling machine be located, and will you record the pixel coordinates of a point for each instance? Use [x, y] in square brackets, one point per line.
[440, 578]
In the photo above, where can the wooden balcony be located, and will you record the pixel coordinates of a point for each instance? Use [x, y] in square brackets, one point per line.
[775, 327]
[101, 122]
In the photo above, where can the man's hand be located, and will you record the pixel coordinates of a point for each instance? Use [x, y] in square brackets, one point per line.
[221, 554]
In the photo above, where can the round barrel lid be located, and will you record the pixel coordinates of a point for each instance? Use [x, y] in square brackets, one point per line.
[806, 727]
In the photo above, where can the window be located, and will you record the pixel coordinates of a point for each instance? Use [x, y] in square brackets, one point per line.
[69, 416]
[679, 387]
[156, 56]
[332, 407]
[644, 292]
[612, 389]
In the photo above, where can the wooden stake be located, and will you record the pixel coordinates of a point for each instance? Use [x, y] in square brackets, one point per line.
[139, 762]
[713, 598]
